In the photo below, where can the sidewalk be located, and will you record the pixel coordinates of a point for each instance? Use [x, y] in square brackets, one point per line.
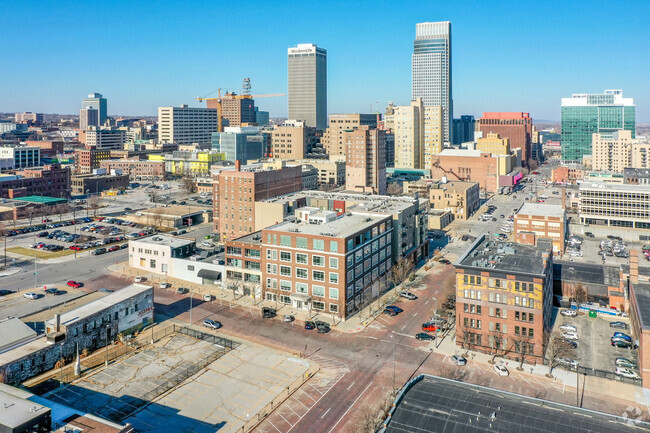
[621, 390]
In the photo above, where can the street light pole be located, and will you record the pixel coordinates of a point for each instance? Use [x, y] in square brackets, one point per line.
[190, 307]
[394, 345]
[106, 348]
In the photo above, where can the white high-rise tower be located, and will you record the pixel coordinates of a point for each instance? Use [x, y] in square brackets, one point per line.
[431, 69]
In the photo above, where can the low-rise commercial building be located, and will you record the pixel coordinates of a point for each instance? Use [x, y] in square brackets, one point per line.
[188, 163]
[504, 297]
[615, 205]
[244, 264]
[49, 149]
[172, 216]
[636, 176]
[138, 170]
[23, 156]
[88, 327]
[461, 198]
[96, 183]
[87, 160]
[541, 221]
[49, 180]
[568, 174]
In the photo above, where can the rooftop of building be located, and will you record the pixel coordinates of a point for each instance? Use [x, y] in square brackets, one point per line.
[595, 185]
[346, 225]
[251, 238]
[455, 185]
[39, 199]
[435, 404]
[586, 273]
[13, 331]
[510, 257]
[176, 210]
[642, 295]
[17, 411]
[364, 202]
[539, 209]
[166, 240]
[101, 304]
[634, 172]
[461, 152]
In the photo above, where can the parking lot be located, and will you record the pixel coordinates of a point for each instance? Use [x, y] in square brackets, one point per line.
[594, 347]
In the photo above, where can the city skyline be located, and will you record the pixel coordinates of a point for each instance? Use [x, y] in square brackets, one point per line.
[527, 65]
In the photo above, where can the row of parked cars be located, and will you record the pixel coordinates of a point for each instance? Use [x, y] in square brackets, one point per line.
[40, 227]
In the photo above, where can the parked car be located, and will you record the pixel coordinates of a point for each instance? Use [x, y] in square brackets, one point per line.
[74, 284]
[567, 327]
[573, 344]
[138, 279]
[99, 251]
[459, 360]
[288, 318]
[5, 292]
[569, 313]
[445, 262]
[430, 327]
[501, 370]
[268, 313]
[589, 234]
[114, 248]
[53, 291]
[624, 362]
[424, 336]
[207, 297]
[619, 325]
[622, 343]
[567, 362]
[309, 324]
[105, 290]
[30, 295]
[570, 335]
[407, 295]
[212, 324]
[394, 308]
[322, 329]
[622, 335]
[182, 291]
[626, 372]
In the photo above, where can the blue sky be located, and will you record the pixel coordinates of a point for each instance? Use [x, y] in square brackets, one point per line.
[506, 56]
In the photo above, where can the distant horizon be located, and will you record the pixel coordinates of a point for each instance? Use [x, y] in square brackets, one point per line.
[505, 57]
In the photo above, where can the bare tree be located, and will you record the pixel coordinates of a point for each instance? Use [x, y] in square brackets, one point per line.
[234, 286]
[394, 188]
[450, 372]
[580, 294]
[188, 184]
[532, 164]
[157, 218]
[400, 271]
[520, 345]
[153, 196]
[555, 348]
[499, 344]
[93, 203]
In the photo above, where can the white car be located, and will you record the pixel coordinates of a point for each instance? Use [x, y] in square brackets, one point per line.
[138, 279]
[501, 370]
[575, 253]
[626, 372]
[570, 335]
[30, 295]
[165, 285]
[569, 328]
[569, 313]
[206, 243]
[207, 297]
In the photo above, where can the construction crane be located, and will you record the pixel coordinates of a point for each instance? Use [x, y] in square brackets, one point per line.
[436, 164]
[246, 88]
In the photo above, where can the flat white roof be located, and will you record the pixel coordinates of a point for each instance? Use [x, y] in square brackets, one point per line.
[101, 304]
[551, 210]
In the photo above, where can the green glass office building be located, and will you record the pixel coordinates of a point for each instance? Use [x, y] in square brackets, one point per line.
[586, 114]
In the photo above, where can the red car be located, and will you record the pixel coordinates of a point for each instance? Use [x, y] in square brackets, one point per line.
[535, 172]
[76, 247]
[114, 248]
[74, 284]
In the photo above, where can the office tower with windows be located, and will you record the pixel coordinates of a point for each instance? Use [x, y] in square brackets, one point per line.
[431, 69]
[586, 114]
[97, 102]
[307, 66]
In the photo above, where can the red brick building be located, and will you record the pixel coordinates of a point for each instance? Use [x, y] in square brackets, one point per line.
[518, 127]
[86, 160]
[49, 181]
[236, 191]
[49, 149]
[137, 169]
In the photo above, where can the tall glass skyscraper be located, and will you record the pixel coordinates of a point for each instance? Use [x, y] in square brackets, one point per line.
[431, 69]
[307, 66]
[585, 114]
[98, 102]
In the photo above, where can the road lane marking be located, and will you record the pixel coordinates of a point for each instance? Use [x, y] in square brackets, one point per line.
[403, 335]
[353, 403]
[402, 328]
[325, 413]
[351, 385]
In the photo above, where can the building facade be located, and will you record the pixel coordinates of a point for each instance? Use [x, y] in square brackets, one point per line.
[463, 129]
[307, 65]
[86, 160]
[365, 160]
[431, 70]
[586, 114]
[29, 118]
[615, 205]
[517, 127]
[458, 197]
[22, 156]
[88, 117]
[611, 151]
[96, 102]
[185, 125]
[293, 140]
[333, 140]
[241, 144]
[138, 170]
[105, 138]
[534, 221]
[49, 180]
[504, 297]
[94, 184]
[237, 189]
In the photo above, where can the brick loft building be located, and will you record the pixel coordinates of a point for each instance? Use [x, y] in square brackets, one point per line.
[317, 262]
[516, 126]
[49, 181]
[504, 297]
